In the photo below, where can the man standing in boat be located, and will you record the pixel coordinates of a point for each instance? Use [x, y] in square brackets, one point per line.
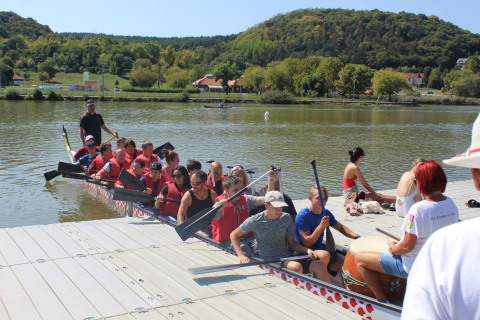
[310, 224]
[271, 228]
[91, 123]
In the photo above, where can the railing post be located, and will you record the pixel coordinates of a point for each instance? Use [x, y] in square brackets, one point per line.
[130, 208]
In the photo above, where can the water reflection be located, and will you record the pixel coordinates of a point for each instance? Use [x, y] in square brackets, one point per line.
[292, 136]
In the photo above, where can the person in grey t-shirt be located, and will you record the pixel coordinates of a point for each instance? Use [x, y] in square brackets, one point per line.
[273, 230]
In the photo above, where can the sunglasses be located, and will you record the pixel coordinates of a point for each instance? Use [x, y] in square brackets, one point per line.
[196, 183]
[176, 176]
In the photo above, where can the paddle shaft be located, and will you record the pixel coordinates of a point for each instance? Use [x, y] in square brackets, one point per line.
[134, 195]
[111, 138]
[199, 220]
[81, 176]
[225, 267]
[388, 234]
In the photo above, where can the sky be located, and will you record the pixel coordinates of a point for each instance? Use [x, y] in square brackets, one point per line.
[169, 18]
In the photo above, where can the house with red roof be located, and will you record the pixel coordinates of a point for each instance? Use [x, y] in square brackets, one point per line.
[415, 79]
[17, 80]
[208, 84]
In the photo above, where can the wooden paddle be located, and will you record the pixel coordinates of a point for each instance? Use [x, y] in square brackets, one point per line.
[111, 138]
[131, 180]
[134, 195]
[388, 234]
[225, 267]
[204, 217]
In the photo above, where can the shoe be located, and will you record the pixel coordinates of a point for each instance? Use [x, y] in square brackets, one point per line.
[392, 207]
[473, 204]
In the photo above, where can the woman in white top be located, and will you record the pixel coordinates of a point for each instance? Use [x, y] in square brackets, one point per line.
[423, 219]
[407, 191]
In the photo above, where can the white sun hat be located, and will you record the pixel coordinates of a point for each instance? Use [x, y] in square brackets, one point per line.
[471, 157]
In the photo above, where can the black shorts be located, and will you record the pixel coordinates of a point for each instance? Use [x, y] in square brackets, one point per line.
[305, 263]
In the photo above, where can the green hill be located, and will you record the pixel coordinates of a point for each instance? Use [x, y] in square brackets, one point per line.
[12, 24]
[377, 39]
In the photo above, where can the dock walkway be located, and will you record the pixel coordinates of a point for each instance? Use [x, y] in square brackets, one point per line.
[136, 268]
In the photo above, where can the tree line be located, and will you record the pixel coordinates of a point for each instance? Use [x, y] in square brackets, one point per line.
[305, 52]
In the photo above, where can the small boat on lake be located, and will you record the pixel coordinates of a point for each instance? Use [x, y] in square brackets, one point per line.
[217, 107]
[365, 306]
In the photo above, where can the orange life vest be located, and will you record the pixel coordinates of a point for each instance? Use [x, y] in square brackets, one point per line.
[171, 208]
[232, 216]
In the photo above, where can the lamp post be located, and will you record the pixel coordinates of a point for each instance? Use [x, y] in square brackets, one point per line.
[353, 92]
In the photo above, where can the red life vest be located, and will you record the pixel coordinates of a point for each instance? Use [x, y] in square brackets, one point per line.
[136, 153]
[230, 220]
[171, 208]
[115, 168]
[145, 159]
[97, 164]
[149, 183]
[210, 186]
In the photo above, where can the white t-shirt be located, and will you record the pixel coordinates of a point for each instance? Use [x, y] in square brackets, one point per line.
[444, 281]
[423, 219]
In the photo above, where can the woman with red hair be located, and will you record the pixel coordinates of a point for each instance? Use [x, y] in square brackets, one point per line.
[423, 219]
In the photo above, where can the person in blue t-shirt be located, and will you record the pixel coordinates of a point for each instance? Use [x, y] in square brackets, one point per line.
[87, 159]
[310, 224]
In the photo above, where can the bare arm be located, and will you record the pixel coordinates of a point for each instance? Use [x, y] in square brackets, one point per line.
[104, 127]
[235, 239]
[82, 135]
[343, 229]
[185, 203]
[259, 201]
[308, 239]
[405, 246]
[364, 182]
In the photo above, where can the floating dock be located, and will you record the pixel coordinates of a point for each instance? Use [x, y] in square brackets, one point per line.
[136, 268]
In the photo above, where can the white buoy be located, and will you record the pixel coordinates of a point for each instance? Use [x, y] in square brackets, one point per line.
[266, 115]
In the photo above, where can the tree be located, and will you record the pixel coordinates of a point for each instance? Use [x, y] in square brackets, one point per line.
[225, 71]
[142, 74]
[43, 76]
[388, 81]
[435, 80]
[254, 77]
[467, 85]
[327, 73]
[48, 66]
[178, 78]
[278, 77]
[473, 63]
[353, 75]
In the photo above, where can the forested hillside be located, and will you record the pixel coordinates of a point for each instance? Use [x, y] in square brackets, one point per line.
[377, 39]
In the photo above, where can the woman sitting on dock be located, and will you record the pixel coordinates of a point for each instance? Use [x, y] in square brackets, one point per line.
[423, 219]
[352, 172]
[407, 191]
[173, 190]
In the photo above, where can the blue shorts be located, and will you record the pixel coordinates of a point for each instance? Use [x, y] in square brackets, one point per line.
[392, 264]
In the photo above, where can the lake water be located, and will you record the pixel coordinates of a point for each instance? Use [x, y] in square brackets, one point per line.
[392, 138]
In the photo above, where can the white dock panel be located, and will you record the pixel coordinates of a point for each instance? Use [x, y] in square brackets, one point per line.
[15, 299]
[44, 299]
[62, 236]
[72, 298]
[10, 251]
[47, 243]
[29, 247]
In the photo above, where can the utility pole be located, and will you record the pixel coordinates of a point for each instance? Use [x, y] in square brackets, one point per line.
[103, 78]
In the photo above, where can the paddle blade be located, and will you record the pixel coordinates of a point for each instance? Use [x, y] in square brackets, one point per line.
[64, 166]
[51, 175]
[131, 195]
[130, 180]
[166, 146]
[196, 223]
